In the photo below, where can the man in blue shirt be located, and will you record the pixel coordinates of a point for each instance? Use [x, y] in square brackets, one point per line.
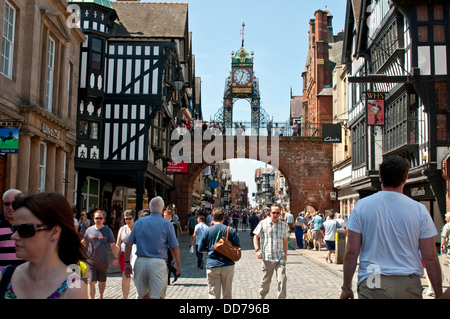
[317, 233]
[153, 236]
[219, 269]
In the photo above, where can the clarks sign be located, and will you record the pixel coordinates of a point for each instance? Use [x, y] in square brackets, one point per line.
[331, 133]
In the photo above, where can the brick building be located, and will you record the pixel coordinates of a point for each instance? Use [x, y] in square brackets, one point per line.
[324, 52]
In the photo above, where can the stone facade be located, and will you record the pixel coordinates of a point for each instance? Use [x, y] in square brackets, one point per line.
[38, 95]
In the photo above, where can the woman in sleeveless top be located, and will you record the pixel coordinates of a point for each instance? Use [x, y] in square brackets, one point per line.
[122, 237]
[45, 237]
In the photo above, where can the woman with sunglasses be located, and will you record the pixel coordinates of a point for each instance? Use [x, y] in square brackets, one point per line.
[45, 237]
[122, 236]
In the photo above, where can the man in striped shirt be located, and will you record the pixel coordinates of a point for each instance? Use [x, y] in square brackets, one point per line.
[271, 244]
[7, 245]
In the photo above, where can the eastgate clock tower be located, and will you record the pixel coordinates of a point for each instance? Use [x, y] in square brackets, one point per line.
[242, 84]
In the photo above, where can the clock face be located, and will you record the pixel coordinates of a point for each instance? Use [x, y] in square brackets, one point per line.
[241, 76]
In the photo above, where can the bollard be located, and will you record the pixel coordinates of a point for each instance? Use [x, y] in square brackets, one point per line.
[341, 235]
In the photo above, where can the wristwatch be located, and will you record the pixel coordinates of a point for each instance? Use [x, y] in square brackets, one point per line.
[343, 288]
[257, 249]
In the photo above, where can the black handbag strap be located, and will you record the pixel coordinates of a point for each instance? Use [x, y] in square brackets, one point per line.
[6, 278]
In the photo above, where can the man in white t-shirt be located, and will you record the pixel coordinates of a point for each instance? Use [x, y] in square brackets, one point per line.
[390, 233]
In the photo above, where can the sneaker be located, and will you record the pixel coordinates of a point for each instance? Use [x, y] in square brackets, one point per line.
[430, 292]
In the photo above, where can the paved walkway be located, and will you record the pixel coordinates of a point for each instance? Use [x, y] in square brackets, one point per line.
[309, 276]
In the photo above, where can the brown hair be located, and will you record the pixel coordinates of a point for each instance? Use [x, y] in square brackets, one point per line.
[54, 210]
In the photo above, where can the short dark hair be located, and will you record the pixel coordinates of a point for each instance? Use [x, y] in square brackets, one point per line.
[275, 205]
[394, 171]
[217, 214]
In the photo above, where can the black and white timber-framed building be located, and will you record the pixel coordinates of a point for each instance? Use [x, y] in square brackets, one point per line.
[400, 48]
[136, 84]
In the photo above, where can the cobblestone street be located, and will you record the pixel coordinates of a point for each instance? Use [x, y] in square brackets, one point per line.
[309, 276]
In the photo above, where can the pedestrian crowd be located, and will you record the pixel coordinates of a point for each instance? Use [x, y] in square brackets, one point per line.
[46, 252]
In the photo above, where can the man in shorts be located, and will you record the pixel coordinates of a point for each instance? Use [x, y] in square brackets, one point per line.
[97, 238]
[317, 233]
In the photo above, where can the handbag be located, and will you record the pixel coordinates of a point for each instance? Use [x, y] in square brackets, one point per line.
[225, 247]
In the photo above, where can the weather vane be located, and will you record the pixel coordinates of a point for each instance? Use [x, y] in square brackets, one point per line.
[243, 34]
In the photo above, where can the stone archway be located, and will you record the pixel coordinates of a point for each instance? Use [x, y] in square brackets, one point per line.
[306, 163]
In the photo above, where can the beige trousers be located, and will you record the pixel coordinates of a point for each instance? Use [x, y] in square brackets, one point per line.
[268, 267]
[392, 287]
[220, 280]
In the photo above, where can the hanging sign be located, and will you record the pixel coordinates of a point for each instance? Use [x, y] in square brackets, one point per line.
[331, 133]
[9, 140]
[375, 108]
[177, 167]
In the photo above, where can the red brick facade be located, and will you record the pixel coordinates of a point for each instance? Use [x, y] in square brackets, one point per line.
[317, 81]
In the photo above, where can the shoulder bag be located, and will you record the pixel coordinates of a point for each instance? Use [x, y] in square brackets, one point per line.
[226, 247]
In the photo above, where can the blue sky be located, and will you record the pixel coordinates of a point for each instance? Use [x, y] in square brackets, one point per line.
[277, 32]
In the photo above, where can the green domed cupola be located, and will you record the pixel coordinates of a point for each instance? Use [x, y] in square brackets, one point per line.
[103, 3]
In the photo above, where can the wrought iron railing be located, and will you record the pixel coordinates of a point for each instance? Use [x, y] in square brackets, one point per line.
[278, 128]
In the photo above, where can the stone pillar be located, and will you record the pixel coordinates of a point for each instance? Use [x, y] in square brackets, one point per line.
[34, 165]
[50, 169]
[59, 170]
[23, 162]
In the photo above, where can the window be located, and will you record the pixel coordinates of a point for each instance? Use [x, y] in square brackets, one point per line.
[439, 33]
[88, 130]
[441, 95]
[438, 12]
[157, 131]
[42, 166]
[442, 131]
[9, 21]
[359, 144]
[50, 74]
[97, 49]
[440, 89]
[69, 89]
[422, 33]
[64, 172]
[422, 13]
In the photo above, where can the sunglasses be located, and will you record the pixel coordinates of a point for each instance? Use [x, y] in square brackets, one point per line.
[28, 230]
[99, 218]
[7, 203]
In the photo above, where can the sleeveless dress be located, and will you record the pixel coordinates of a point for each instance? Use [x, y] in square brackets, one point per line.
[57, 294]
